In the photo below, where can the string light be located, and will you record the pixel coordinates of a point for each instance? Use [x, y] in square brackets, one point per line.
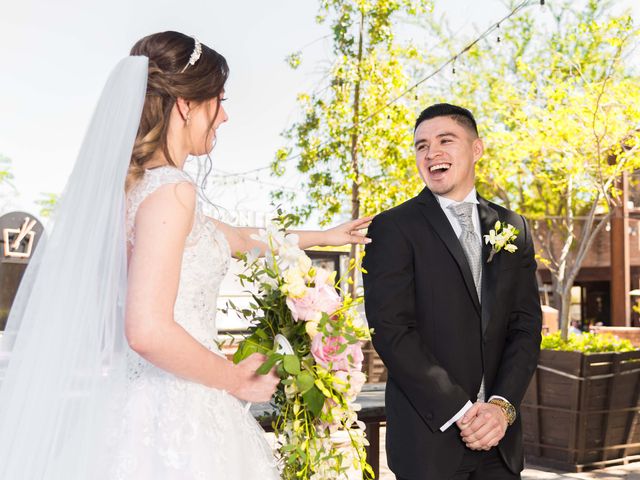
[413, 87]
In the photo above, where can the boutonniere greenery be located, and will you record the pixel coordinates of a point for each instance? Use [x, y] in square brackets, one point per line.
[501, 238]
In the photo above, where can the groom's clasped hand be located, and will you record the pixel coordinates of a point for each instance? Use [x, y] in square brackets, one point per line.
[483, 426]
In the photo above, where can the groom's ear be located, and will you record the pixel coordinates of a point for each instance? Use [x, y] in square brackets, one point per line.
[478, 149]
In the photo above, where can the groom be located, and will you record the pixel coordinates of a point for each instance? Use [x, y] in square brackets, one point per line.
[457, 326]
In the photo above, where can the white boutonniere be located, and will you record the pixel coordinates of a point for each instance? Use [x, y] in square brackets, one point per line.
[501, 238]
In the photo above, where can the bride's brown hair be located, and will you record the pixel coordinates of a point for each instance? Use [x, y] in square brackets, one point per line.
[169, 53]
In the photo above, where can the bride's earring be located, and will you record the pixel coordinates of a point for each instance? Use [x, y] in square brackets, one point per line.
[187, 120]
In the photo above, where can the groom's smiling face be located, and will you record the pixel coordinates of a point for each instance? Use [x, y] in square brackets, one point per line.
[446, 154]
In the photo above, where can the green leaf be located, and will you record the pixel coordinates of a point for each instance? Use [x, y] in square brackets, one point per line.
[281, 372]
[244, 350]
[261, 333]
[314, 400]
[268, 365]
[291, 364]
[304, 381]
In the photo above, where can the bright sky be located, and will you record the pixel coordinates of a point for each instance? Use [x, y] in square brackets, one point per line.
[56, 55]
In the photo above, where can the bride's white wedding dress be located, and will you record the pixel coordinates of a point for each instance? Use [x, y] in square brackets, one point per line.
[171, 428]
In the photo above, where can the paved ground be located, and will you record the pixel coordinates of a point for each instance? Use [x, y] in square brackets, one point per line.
[626, 472]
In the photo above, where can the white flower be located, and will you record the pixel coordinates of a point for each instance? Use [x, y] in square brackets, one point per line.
[269, 282]
[294, 284]
[272, 236]
[311, 328]
[289, 253]
[304, 264]
[253, 255]
[290, 390]
[501, 237]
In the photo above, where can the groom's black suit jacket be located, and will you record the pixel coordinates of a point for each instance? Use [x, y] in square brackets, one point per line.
[435, 337]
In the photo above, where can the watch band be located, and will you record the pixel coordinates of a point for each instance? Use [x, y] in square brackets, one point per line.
[508, 409]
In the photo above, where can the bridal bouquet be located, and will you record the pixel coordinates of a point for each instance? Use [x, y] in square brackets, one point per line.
[313, 337]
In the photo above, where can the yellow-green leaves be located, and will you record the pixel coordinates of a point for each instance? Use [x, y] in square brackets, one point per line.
[354, 156]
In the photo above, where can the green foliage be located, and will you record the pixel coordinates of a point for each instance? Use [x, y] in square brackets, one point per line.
[558, 105]
[353, 157]
[6, 176]
[47, 203]
[586, 343]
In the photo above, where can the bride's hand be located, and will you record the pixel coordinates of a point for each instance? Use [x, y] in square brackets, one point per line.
[348, 233]
[251, 386]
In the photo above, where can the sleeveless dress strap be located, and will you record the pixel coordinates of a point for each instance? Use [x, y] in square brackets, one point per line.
[152, 180]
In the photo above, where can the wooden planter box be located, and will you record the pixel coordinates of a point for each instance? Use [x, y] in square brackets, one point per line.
[582, 411]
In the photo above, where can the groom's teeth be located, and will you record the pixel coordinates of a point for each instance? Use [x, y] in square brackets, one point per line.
[441, 166]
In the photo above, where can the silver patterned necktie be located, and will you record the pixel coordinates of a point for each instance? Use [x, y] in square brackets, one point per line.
[470, 241]
[472, 247]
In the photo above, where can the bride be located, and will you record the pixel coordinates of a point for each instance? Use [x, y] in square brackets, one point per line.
[113, 370]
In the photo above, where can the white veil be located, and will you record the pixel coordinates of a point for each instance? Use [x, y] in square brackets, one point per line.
[62, 356]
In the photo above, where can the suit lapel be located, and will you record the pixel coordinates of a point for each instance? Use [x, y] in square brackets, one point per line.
[488, 219]
[438, 220]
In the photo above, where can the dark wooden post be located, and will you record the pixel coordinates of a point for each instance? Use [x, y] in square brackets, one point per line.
[620, 263]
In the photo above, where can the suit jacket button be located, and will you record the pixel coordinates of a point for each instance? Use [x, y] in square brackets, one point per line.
[429, 416]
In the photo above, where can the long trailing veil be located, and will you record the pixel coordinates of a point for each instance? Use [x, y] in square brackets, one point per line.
[63, 353]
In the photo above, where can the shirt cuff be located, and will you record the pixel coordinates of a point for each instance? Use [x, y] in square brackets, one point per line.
[457, 416]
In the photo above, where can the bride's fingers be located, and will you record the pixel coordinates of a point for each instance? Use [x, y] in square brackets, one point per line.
[360, 240]
[351, 227]
[360, 220]
[362, 227]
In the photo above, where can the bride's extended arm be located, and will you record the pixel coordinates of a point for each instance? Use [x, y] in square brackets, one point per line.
[240, 240]
[163, 222]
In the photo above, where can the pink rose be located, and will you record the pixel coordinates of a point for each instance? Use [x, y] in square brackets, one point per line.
[326, 350]
[355, 351]
[320, 299]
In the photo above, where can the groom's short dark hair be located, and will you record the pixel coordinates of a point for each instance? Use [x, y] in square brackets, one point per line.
[461, 115]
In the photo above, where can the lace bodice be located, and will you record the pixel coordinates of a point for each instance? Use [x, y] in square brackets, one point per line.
[171, 428]
[205, 260]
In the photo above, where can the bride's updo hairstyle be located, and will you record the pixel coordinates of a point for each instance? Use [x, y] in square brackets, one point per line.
[173, 73]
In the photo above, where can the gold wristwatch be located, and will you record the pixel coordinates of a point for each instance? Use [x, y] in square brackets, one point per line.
[508, 409]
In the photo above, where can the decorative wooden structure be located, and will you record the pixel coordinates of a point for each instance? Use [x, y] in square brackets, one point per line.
[373, 366]
[581, 411]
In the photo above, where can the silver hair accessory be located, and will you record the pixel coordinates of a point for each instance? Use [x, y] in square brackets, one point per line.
[195, 55]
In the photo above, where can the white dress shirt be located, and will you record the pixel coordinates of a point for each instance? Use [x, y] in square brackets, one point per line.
[444, 202]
